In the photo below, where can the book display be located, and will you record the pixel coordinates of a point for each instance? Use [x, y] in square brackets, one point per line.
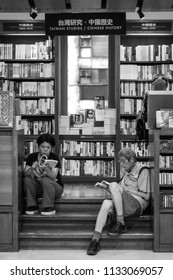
[140, 59]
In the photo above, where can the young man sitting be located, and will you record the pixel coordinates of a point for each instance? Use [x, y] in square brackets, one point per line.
[129, 197]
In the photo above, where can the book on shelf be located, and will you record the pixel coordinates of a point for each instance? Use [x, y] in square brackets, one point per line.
[76, 120]
[99, 102]
[89, 116]
[164, 118]
[103, 185]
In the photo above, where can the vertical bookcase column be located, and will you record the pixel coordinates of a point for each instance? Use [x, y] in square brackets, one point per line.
[114, 88]
[60, 82]
[156, 190]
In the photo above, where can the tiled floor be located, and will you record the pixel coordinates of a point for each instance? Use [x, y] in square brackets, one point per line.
[81, 255]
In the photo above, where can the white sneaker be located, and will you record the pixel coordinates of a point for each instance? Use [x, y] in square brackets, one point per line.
[48, 211]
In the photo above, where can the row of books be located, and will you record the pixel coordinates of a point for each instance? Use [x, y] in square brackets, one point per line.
[23, 88]
[37, 107]
[35, 127]
[166, 200]
[138, 88]
[146, 53]
[27, 70]
[30, 147]
[166, 145]
[145, 72]
[87, 168]
[139, 148]
[130, 106]
[38, 50]
[165, 161]
[165, 178]
[135, 88]
[81, 148]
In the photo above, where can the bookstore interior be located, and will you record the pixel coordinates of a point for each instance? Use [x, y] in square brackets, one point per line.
[85, 84]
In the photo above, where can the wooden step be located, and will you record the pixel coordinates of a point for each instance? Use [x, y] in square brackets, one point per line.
[78, 220]
[72, 239]
[73, 204]
[65, 231]
[73, 225]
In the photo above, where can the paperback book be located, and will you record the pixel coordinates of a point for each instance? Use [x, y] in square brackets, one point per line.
[103, 185]
[51, 162]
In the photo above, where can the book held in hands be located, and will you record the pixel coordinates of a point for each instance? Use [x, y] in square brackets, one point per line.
[103, 185]
[51, 162]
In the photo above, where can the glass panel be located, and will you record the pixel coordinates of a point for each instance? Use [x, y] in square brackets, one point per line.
[87, 73]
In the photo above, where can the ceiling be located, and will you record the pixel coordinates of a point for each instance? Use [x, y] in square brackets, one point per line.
[58, 6]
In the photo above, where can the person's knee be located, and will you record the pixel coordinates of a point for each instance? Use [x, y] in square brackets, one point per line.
[46, 181]
[114, 187]
[47, 184]
[107, 205]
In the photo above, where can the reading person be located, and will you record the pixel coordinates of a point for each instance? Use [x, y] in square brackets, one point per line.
[42, 179]
[129, 197]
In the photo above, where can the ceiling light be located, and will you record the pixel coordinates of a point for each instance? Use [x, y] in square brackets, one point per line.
[33, 13]
[33, 9]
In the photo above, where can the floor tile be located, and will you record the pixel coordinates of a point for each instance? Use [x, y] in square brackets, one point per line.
[81, 255]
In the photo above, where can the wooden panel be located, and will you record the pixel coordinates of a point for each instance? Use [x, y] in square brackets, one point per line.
[6, 163]
[6, 228]
[166, 229]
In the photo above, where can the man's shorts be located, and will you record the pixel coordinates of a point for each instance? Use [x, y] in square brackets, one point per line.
[131, 206]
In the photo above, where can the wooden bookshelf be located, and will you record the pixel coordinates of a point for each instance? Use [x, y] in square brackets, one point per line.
[11, 199]
[163, 194]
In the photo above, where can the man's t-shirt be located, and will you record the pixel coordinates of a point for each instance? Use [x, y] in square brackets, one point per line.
[138, 183]
[34, 157]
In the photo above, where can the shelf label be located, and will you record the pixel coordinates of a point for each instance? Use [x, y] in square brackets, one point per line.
[85, 24]
[21, 26]
[149, 26]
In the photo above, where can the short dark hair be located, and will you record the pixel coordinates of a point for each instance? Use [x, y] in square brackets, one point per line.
[46, 137]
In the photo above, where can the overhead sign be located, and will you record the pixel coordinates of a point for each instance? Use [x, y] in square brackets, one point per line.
[85, 24]
[149, 26]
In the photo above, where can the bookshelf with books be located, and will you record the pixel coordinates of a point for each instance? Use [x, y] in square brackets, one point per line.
[141, 57]
[27, 68]
[88, 150]
[163, 190]
[87, 157]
